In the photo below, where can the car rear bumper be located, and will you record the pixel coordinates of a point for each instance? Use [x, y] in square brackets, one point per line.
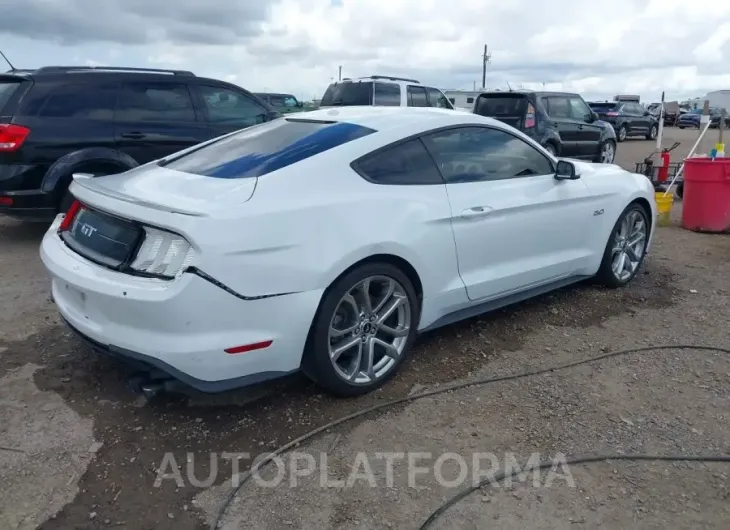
[29, 205]
[181, 327]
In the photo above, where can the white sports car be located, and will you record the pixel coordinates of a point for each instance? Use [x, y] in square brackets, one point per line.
[327, 240]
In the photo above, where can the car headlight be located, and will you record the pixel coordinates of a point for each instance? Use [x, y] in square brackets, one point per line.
[163, 254]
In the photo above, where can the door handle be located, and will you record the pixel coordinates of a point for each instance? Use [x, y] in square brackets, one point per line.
[476, 211]
[133, 135]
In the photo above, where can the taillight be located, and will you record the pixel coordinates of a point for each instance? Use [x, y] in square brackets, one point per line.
[6, 201]
[530, 117]
[612, 114]
[12, 137]
[73, 211]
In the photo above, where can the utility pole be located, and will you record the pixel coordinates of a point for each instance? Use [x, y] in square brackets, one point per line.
[486, 59]
[339, 75]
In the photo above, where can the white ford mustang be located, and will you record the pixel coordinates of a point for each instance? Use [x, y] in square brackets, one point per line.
[325, 241]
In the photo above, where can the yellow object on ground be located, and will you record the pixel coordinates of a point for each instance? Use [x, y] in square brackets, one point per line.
[664, 207]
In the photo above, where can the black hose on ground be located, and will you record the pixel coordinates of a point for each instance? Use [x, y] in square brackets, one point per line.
[499, 477]
[483, 381]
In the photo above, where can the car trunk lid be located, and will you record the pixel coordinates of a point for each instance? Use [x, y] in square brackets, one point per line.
[170, 190]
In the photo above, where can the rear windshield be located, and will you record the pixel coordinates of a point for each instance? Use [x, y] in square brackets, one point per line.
[603, 107]
[348, 94]
[6, 90]
[265, 148]
[501, 105]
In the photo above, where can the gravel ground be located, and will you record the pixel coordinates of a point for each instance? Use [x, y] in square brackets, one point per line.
[78, 450]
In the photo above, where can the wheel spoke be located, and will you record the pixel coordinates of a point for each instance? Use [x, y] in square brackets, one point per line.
[394, 332]
[350, 300]
[388, 293]
[396, 302]
[369, 358]
[367, 305]
[356, 363]
[390, 350]
[343, 347]
[632, 254]
[335, 333]
[621, 263]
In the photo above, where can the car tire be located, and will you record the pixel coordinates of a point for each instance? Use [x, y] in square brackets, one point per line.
[601, 157]
[680, 190]
[681, 126]
[621, 133]
[652, 133]
[550, 148]
[614, 270]
[343, 309]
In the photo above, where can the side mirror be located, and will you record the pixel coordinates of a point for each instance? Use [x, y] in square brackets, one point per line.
[647, 113]
[595, 116]
[300, 104]
[565, 171]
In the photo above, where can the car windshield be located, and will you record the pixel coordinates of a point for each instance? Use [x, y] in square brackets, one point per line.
[264, 148]
[348, 94]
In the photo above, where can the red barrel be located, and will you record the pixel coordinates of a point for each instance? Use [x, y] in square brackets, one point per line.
[706, 197]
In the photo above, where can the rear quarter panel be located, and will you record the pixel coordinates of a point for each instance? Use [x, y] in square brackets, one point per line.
[614, 189]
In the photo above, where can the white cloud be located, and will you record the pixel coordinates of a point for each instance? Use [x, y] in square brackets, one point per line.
[629, 46]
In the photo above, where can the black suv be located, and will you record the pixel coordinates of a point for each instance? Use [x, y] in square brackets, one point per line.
[628, 118]
[56, 121]
[561, 122]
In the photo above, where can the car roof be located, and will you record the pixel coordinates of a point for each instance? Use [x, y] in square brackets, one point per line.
[383, 118]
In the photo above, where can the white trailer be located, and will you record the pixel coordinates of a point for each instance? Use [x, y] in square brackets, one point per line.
[462, 99]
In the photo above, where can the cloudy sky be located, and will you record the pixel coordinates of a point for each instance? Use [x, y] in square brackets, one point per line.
[630, 46]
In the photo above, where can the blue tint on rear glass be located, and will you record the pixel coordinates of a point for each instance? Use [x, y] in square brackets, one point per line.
[265, 148]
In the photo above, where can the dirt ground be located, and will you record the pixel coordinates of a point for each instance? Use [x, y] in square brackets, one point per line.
[78, 450]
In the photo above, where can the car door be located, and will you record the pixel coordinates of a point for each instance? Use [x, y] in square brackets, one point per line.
[634, 113]
[589, 134]
[515, 226]
[154, 119]
[227, 110]
[558, 108]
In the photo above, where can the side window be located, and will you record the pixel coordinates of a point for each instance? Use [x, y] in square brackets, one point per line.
[406, 164]
[155, 102]
[80, 102]
[453, 101]
[474, 154]
[470, 100]
[226, 107]
[578, 109]
[558, 107]
[387, 95]
[437, 99]
[417, 96]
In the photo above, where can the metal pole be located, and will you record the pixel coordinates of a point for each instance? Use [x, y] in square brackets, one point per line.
[721, 126]
[484, 67]
[339, 75]
[661, 125]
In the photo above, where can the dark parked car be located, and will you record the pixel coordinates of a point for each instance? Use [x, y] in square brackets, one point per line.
[627, 118]
[690, 119]
[561, 122]
[56, 121]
